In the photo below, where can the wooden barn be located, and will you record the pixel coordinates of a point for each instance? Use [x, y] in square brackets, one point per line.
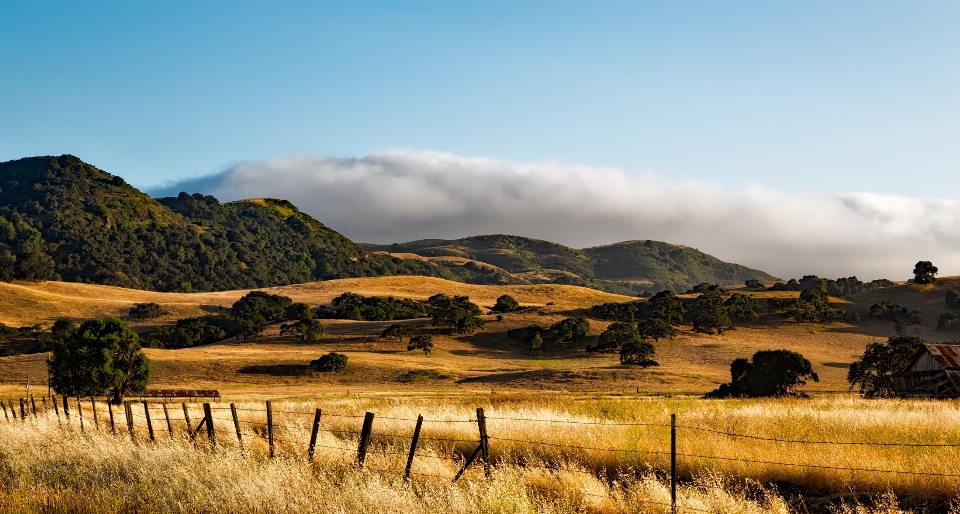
[934, 372]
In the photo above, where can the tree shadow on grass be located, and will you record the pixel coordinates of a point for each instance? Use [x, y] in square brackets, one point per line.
[276, 370]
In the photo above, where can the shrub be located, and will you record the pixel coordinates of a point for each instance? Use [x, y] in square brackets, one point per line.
[953, 299]
[330, 363]
[144, 311]
[505, 303]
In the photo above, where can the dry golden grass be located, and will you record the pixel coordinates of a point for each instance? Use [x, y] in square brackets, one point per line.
[49, 465]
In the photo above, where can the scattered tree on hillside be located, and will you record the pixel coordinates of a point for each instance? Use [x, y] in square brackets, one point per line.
[34, 332]
[710, 314]
[399, 331]
[62, 327]
[505, 303]
[306, 329]
[638, 354]
[616, 311]
[953, 299]
[330, 363]
[753, 284]
[896, 313]
[871, 372]
[534, 346]
[742, 307]
[949, 321]
[142, 311]
[656, 329]
[569, 331]
[768, 373]
[372, 308]
[298, 311]
[421, 342]
[925, 273]
[668, 307]
[615, 336]
[101, 354]
[270, 307]
[457, 313]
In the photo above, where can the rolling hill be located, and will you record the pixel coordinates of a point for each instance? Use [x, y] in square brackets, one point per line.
[627, 267]
[63, 219]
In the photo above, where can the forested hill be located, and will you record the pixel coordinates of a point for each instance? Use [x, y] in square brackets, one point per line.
[63, 219]
[632, 265]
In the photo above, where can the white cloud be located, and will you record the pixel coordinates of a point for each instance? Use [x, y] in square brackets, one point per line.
[399, 196]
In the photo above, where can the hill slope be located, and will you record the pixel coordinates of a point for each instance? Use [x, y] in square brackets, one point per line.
[61, 218]
[630, 266]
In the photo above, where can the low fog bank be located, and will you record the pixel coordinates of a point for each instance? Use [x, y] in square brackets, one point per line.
[401, 196]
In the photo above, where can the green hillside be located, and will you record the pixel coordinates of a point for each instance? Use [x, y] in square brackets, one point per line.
[63, 219]
[628, 267]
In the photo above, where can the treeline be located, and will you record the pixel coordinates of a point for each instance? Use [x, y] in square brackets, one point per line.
[839, 287]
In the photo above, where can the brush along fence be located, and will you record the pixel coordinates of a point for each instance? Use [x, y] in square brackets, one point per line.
[349, 438]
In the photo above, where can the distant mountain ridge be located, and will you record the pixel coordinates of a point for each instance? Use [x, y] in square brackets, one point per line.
[631, 265]
[63, 219]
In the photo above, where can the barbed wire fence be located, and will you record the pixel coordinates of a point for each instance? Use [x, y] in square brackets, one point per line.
[289, 429]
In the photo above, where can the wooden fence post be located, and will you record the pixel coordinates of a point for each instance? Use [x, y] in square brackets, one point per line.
[113, 426]
[93, 406]
[484, 442]
[23, 411]
[66, 407]
[208, 416]
[13, 411]
[44, 398]
[270, 427]
[186, 417]
[673, 463]
[236, 424]
[364, 438]
[146, 412]
[80, 413]
[56, 406]
[128, 412]
[313, 435]
[413, 447]
[5, 415]
[166, 414]
[33, 405]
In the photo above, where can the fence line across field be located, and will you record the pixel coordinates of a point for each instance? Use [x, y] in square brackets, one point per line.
[158, 418]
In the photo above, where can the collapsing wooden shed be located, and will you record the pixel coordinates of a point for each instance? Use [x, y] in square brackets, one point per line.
[933, 372]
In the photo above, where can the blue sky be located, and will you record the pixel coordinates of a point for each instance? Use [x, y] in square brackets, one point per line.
[814, 96]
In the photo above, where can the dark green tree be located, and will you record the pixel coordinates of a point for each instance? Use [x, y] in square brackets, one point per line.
[101, 354]
[710, 314]
[62, 327]
[925, 273]
[34, 332]
[870, 373]
[298, 311]
[768, 373]
[142, 311]
[638, 354]
[306, 329]
[668, 307]
[953, 299]
[569, 331]
[330, 363]
[743, 307]
[505, 303]
[458, 314]
[399, 331]
[421, 342]
[270, 307]
[617, 335]
[656, 329]
[949, 321]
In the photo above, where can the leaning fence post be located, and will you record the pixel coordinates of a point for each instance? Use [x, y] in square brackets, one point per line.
[166, 414]
[313, 435]
[5, 415]
[236, 423]
[673, 463]
[270, 427]
[33, 405]
[364, 438]
[484, 444]
[23, 412]
[146, 412]
[208, 416]
[66, 407]
[93, 405]
[13, 411]
[113, 427]
[56, 407]
[128, 412]
[413, 447]
[80, 413]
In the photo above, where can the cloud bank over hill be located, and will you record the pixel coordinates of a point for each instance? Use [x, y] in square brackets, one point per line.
[399, 196]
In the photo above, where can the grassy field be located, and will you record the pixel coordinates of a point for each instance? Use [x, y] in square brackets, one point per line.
[594, 460]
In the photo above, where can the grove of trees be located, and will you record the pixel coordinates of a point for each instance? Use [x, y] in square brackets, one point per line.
[767, 373]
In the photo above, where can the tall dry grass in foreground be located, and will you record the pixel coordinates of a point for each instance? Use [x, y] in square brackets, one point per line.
[49, 465]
